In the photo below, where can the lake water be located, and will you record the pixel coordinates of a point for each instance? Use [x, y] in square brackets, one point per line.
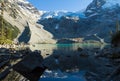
[50, 48]
[64, 61]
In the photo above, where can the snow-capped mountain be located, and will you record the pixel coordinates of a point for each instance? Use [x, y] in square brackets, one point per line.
[93, 8]
[106, 13]
[97, 6]
[26, 7]
[111, 3]
[22, 14]
[59, 14]
[98, 20]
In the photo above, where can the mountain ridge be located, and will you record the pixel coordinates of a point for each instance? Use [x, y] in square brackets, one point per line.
[97, 22]
[21, 12]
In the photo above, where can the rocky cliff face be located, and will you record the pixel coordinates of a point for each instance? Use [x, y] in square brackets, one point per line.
[106, 13]
[94, 7]
[21, 13]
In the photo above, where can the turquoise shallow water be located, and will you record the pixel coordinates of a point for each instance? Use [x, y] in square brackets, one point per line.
[66, 46]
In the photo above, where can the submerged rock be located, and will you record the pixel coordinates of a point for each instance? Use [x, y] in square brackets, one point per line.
[32, 67]
[79, 49]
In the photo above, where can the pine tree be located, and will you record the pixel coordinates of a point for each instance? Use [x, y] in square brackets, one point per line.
[116, 37]
[117, 26]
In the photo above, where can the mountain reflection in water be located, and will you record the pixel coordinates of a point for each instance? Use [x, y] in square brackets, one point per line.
[64, 61]
[47, 49]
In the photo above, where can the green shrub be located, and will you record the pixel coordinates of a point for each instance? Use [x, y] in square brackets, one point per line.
[10, 32]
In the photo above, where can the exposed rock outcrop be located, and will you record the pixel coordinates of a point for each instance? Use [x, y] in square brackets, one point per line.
[19, 13]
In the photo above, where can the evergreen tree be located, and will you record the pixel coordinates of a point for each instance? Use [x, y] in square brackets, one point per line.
[117, 26]
[116, 37]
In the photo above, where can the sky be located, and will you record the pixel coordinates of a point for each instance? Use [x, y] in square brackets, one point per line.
[56, 5]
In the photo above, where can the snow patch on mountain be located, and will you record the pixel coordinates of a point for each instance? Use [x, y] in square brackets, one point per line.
[52, 14]
[59, 14]
[110, 3]
[23, 1]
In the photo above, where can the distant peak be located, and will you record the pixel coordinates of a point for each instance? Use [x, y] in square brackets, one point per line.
[110, 3]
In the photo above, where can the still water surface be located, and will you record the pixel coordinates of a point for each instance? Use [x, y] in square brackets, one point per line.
[49, 48]
[64, 61]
